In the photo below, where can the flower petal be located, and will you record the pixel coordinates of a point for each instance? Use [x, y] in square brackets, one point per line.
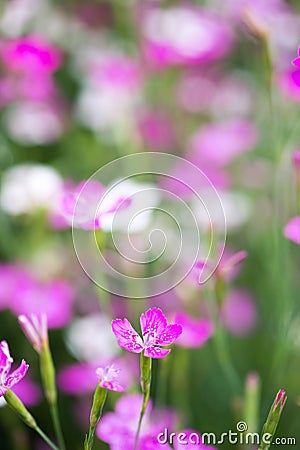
[112, 386]
[127, 336]
[170, 334]
[16, 376]
[2, 391]
[156, 352]
[153, 321]
[5, 361]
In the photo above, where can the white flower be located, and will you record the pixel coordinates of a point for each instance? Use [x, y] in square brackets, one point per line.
[90, 339]
[27, 187]
[33, 123]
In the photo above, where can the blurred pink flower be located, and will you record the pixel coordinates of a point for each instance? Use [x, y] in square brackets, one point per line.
[157, 130]
[109, 378]
[219, 143]
[9, 379]
[238, 312]
[80, 378]
[30, 55]
[203, 36]
[292, 230]
[296, 61]
[289, 83]
[11, 276]
[156, 332]
[87, 204]
[28, 391]
[54, 299]
[120, 426]
[195, 331]
[120, 72]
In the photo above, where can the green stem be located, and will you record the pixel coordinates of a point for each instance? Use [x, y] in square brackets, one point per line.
[221, 343]
[57, 426]
[46, 439]
[95, 415]
[146, 368]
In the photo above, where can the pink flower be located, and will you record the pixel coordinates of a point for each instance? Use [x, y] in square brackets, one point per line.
[28, 391]
[120, 426]
[30, 54]
[157, 130]
[53, 299]
[108, 377]
[203, 36]
[296, 61]
[220, 143]
[7, 379]
[292, 230]
[195, 331]
[239, 313]
[80, 378]
[155, 332]
[35, 329]
[289, 83]
[86, 205]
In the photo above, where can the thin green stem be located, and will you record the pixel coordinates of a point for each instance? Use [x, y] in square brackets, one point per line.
[221, 344]
[146, 372]
[57, 426]
[46, 439]
[95, 415]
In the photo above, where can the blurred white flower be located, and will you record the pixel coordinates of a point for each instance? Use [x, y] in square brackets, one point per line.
[16, 15]
[236, 206]
[137, 215]
[90, 339]
[33, 123]
[27, 187]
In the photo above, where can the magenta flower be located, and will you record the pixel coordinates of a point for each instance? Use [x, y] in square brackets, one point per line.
[203, 36]
[195, 331]
[30, 54]
[87, 204]
[35, 329]
[7, 379]
[156, 332]
[292, 230]
[108, 377]
[238, 312]
[296, 61]
[120, 426]
[54, 299]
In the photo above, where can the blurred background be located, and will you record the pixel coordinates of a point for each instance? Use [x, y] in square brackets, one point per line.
[84, 83]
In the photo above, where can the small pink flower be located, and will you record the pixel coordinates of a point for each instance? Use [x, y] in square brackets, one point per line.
[156, 332]
[35, 329]
[108, 377]
[280, 400]
[7, 379]
[292, 230]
